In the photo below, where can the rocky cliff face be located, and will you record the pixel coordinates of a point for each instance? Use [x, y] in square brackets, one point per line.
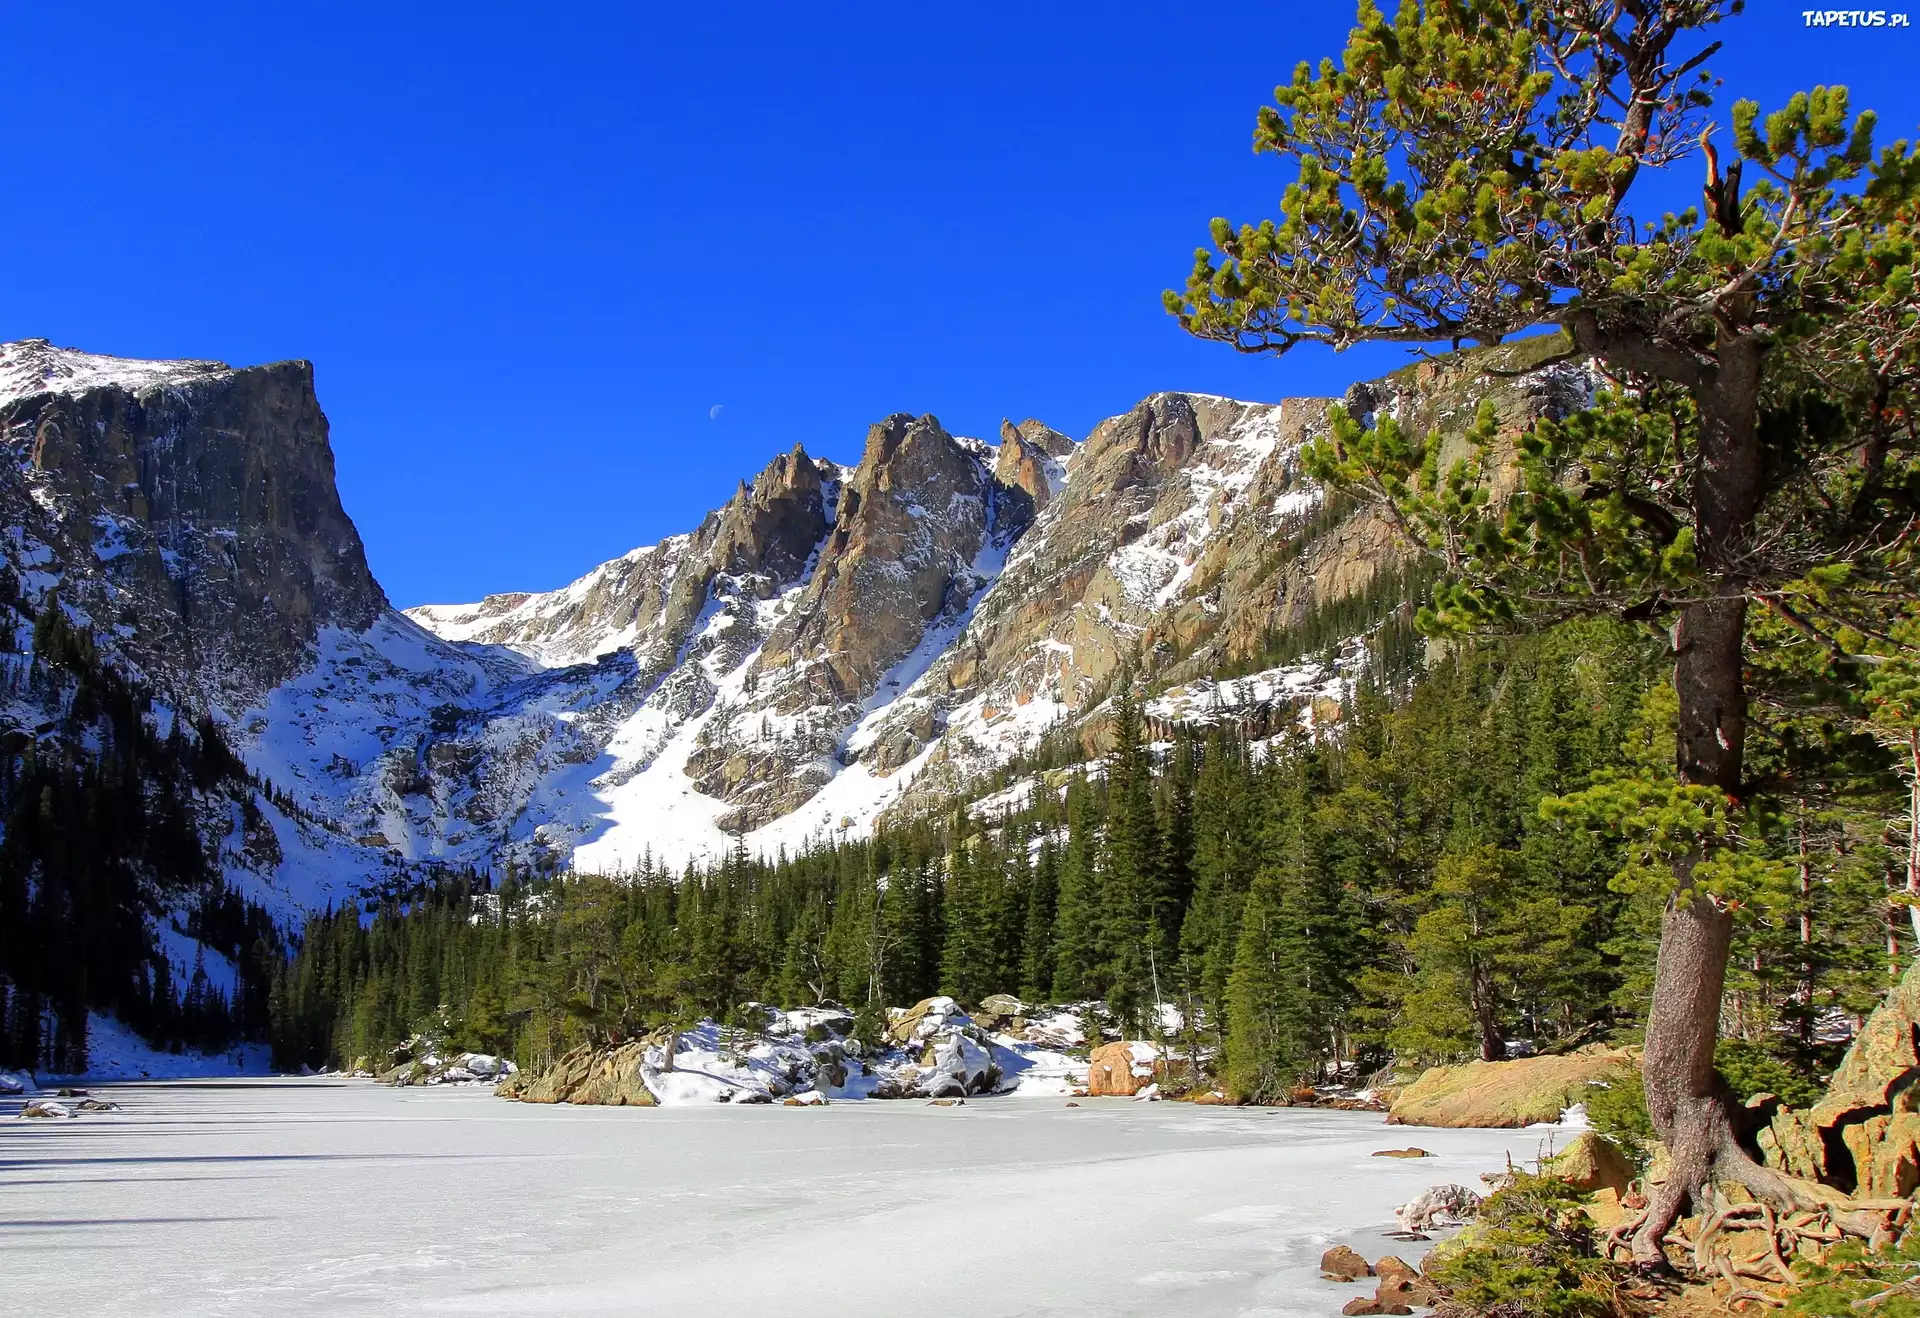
[172, 549]
[830, 644]
[198, 502]
[957, 601]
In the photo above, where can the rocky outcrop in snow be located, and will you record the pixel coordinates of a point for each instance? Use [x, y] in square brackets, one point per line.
[1122, 1069]
[933, 1050]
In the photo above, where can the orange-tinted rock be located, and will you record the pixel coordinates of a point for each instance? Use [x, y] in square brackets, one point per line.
[1118, 1070]
[1341, 1263]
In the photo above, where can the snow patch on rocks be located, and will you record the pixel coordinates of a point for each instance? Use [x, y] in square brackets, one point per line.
[808, 1056]
[35, 366]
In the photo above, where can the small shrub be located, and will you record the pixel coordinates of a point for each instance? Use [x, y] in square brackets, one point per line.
[870, 1026]
[1617, 1108]
[1531, 1253]
[1751, 1068]
[1834, 1288]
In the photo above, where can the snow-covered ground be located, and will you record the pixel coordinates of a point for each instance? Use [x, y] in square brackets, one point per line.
[341, 1198]
[115, 1052]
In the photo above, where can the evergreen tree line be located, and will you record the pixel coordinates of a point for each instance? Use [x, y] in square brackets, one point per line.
[100, 844]
[1304, 904]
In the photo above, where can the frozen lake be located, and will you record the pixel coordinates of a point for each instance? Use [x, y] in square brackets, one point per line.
[335, 1197]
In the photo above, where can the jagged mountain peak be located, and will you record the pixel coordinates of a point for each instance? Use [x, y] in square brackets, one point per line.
[829, 643]
[828, 646]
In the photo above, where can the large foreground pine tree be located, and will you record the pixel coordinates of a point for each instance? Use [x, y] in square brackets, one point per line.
[1472, 170]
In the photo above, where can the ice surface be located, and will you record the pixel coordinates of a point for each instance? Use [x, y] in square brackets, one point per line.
[342, 1197]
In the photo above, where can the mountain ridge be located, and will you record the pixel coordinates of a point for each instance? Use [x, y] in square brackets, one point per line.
[832, 642]
[831, 647]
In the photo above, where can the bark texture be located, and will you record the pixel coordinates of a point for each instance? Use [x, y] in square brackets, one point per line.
[1685, 1097]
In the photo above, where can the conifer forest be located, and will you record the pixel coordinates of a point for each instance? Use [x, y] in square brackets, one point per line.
[1421, 887]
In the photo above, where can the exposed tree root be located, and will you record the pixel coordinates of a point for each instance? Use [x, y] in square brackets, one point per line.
[1786, 1211]
[1909, 1288]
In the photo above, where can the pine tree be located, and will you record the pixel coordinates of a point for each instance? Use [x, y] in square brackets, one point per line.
[1131, 881]
[1036, 944]
[1262, 1063]
[1076, 928]
[1763, 337]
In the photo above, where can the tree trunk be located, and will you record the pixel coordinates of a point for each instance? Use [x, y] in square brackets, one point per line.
[1712, 733]
[1492, 1047]
[1806, 932]
[1913, 827]
[1685, 1097]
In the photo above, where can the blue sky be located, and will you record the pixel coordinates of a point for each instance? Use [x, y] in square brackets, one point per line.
[529, 249]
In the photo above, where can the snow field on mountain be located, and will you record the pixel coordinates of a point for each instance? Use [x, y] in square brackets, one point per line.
[1153, 570]
[35, 366]
[116, 1053]
[1210, 700]
[345, 1198]
[646, 803]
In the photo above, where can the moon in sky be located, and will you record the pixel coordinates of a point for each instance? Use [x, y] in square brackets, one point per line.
[713, 413]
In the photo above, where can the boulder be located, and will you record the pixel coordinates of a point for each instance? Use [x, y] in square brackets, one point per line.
[1341, 1263]
[1000, 1011]
[1525, 1092]
[1863, 1137]
[1392, 1268]
[960, 1067]
[1604, 1209]
[925, 1018]
[1402, 1284]
[1592, 1163]
[610, 1077]
[1362, 1305]
[1120, 1069]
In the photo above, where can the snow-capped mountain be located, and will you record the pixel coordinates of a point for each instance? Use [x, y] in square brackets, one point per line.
[831, 643]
